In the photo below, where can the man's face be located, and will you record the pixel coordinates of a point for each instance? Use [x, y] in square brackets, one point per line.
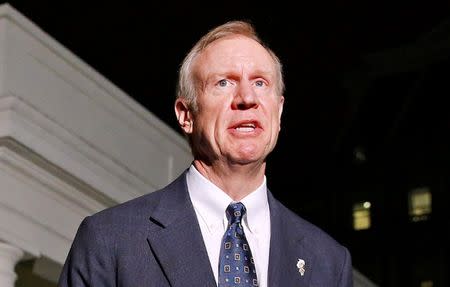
[239, 111]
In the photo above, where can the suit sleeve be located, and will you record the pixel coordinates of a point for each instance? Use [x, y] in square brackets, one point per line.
[89, 262]
[346, 278]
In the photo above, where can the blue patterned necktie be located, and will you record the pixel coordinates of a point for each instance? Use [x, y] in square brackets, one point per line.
[236, 266]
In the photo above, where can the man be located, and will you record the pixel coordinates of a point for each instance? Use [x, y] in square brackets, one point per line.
[217, 224]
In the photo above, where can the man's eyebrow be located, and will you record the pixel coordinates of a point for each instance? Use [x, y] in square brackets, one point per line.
[265, 73]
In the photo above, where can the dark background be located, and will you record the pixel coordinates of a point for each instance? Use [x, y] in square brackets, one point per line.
[366, 115]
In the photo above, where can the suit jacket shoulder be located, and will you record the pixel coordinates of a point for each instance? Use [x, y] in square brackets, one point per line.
[304, 254]
[153, 240]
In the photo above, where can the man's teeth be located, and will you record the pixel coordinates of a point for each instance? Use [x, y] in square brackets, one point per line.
[248, 128]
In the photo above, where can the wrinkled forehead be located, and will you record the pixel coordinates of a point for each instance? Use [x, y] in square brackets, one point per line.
[234, 52]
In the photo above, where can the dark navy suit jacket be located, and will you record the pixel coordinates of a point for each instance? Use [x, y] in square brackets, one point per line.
[155, 240]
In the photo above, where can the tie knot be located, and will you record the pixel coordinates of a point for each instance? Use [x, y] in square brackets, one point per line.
[235, 212]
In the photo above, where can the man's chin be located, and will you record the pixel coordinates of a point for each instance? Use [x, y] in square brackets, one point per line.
[247, 161]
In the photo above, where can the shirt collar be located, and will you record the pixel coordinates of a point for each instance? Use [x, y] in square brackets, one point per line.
[210, 202]
[257, 207]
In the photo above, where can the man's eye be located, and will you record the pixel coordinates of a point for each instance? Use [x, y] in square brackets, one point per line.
[223, 83]
[259, 83]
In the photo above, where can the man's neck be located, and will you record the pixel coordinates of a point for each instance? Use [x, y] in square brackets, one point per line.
[235, 180]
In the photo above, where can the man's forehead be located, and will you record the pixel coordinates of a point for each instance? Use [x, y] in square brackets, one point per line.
[235, 55]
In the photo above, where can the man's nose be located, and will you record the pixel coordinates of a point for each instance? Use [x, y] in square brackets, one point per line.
[245, 97]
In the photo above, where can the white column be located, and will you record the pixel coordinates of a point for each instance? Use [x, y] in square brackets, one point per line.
[9, 256]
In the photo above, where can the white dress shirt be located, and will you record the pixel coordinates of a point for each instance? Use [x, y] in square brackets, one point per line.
[210, 203]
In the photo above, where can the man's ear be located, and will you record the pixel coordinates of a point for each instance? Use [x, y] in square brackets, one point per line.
[280, 108]
[184, 115]
[280, 111]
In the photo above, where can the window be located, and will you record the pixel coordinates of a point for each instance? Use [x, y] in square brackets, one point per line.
[419, 204]
[361, 215]
[427, 283]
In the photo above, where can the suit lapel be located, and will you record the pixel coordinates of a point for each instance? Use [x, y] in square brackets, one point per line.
[286, 248]
[176, 241]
